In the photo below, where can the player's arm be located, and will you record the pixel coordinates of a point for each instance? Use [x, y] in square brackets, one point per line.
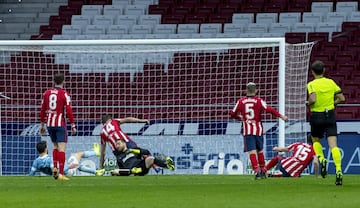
[33, 168]
[42, 116]
[281, 149]
[138, 151]
[316, 165]
[339, 98]
[272, 110]
[311, 99]
[234, 113]
[131, 120]
[102, 154]
[70, 114]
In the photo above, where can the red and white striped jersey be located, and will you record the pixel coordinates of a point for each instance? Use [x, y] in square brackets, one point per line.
[111, 132]
[249, 110]
[55, 101]
[302, 155]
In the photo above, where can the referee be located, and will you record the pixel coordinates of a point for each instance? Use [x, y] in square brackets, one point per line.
[324, 95]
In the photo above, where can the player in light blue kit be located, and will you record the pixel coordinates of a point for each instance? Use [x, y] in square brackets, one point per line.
[44, 163]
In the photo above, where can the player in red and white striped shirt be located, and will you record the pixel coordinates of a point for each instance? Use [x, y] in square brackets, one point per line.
[111, 132]
[293, 166]
[249, 109]
[55, 101]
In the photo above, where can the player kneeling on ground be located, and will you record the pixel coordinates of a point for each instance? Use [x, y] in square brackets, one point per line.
[137, 161]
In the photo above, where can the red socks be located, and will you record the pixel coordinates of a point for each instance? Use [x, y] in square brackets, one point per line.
[61, 157]
[261, 159]
[55, 158]
[254, 162]
[274, 161]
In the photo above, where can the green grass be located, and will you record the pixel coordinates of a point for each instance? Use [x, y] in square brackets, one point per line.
[179, 191]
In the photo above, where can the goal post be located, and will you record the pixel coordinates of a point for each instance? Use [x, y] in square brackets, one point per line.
[185, 87]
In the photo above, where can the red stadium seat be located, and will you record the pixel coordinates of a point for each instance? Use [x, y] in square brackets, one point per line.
[295, 37]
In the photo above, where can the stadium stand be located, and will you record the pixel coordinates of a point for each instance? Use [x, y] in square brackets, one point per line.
[335, 25]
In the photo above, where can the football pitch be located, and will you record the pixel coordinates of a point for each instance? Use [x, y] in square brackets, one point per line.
[166, 191]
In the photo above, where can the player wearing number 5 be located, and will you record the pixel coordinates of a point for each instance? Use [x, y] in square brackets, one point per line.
[248, 109]
[55, 101]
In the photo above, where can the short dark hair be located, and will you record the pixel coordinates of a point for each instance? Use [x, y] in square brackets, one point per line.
[41, 146]
[59, 79]
[318, 67]
[105, 118]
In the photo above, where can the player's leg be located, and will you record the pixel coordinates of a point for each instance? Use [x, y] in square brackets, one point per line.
[317, 124]
[52, 134]
[163, 161]
[260, 155]
[335, 151]
[273, 162]
[61, 136]
[250, 147]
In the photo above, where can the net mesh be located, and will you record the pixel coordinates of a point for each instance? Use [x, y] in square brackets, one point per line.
[193, 85]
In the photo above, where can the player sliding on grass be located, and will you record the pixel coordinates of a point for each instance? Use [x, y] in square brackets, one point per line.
[137, 161]
[293, 166]
[44, 163]
[111, 131]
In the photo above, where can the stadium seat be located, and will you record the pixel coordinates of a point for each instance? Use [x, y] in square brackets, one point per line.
[104, 20]
[257, 28]
[323, 7]
[293, 37]
[114, 10]
[289, 17]
[165, 29]
[87, 37]
[312, 17]
[180, 36]
[95, 29]
[82, 20]
[117, 29]
[135, 10]
[110, 37]
[297, 7]
[143, 2]
[234, 28]
[280, 28]
[338, 17]
[273, 34]
[228, 35]
[243, 18]
[121, 2]
[141, 29]
[63, 37]
[172, 19]
[91, 10]
[322, 37]
[157, 36]
[72, 29]
[210, 28]
[304, 27]
[327, 27]
[196, 19]
[203, 35]
[266, 18]
[350, 6]
[158, 9]
[127, 20]
[188, 28]
[149, 19]
[354, 16]
[133, 36]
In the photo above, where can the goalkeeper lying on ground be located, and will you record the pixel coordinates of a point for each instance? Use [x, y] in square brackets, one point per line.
[137, 161]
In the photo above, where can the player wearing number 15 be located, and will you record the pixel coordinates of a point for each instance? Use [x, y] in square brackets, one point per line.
[55, 101]
[248, 109]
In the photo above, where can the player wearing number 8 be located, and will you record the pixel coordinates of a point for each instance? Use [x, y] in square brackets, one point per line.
[248, 109]
[55, 101]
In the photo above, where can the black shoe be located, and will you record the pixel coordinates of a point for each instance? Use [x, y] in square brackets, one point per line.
[339, 177]
[258, 175]
[263, 175]
[323, 168]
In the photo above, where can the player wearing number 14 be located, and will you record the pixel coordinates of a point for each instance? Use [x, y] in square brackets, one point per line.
[55, 101]
[248, 109]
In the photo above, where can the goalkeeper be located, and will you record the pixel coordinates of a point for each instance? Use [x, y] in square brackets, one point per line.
[137, 161]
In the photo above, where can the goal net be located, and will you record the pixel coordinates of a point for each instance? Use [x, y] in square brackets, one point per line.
[186, 88]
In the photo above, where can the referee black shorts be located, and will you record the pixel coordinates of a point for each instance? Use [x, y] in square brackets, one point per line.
[323, 122]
